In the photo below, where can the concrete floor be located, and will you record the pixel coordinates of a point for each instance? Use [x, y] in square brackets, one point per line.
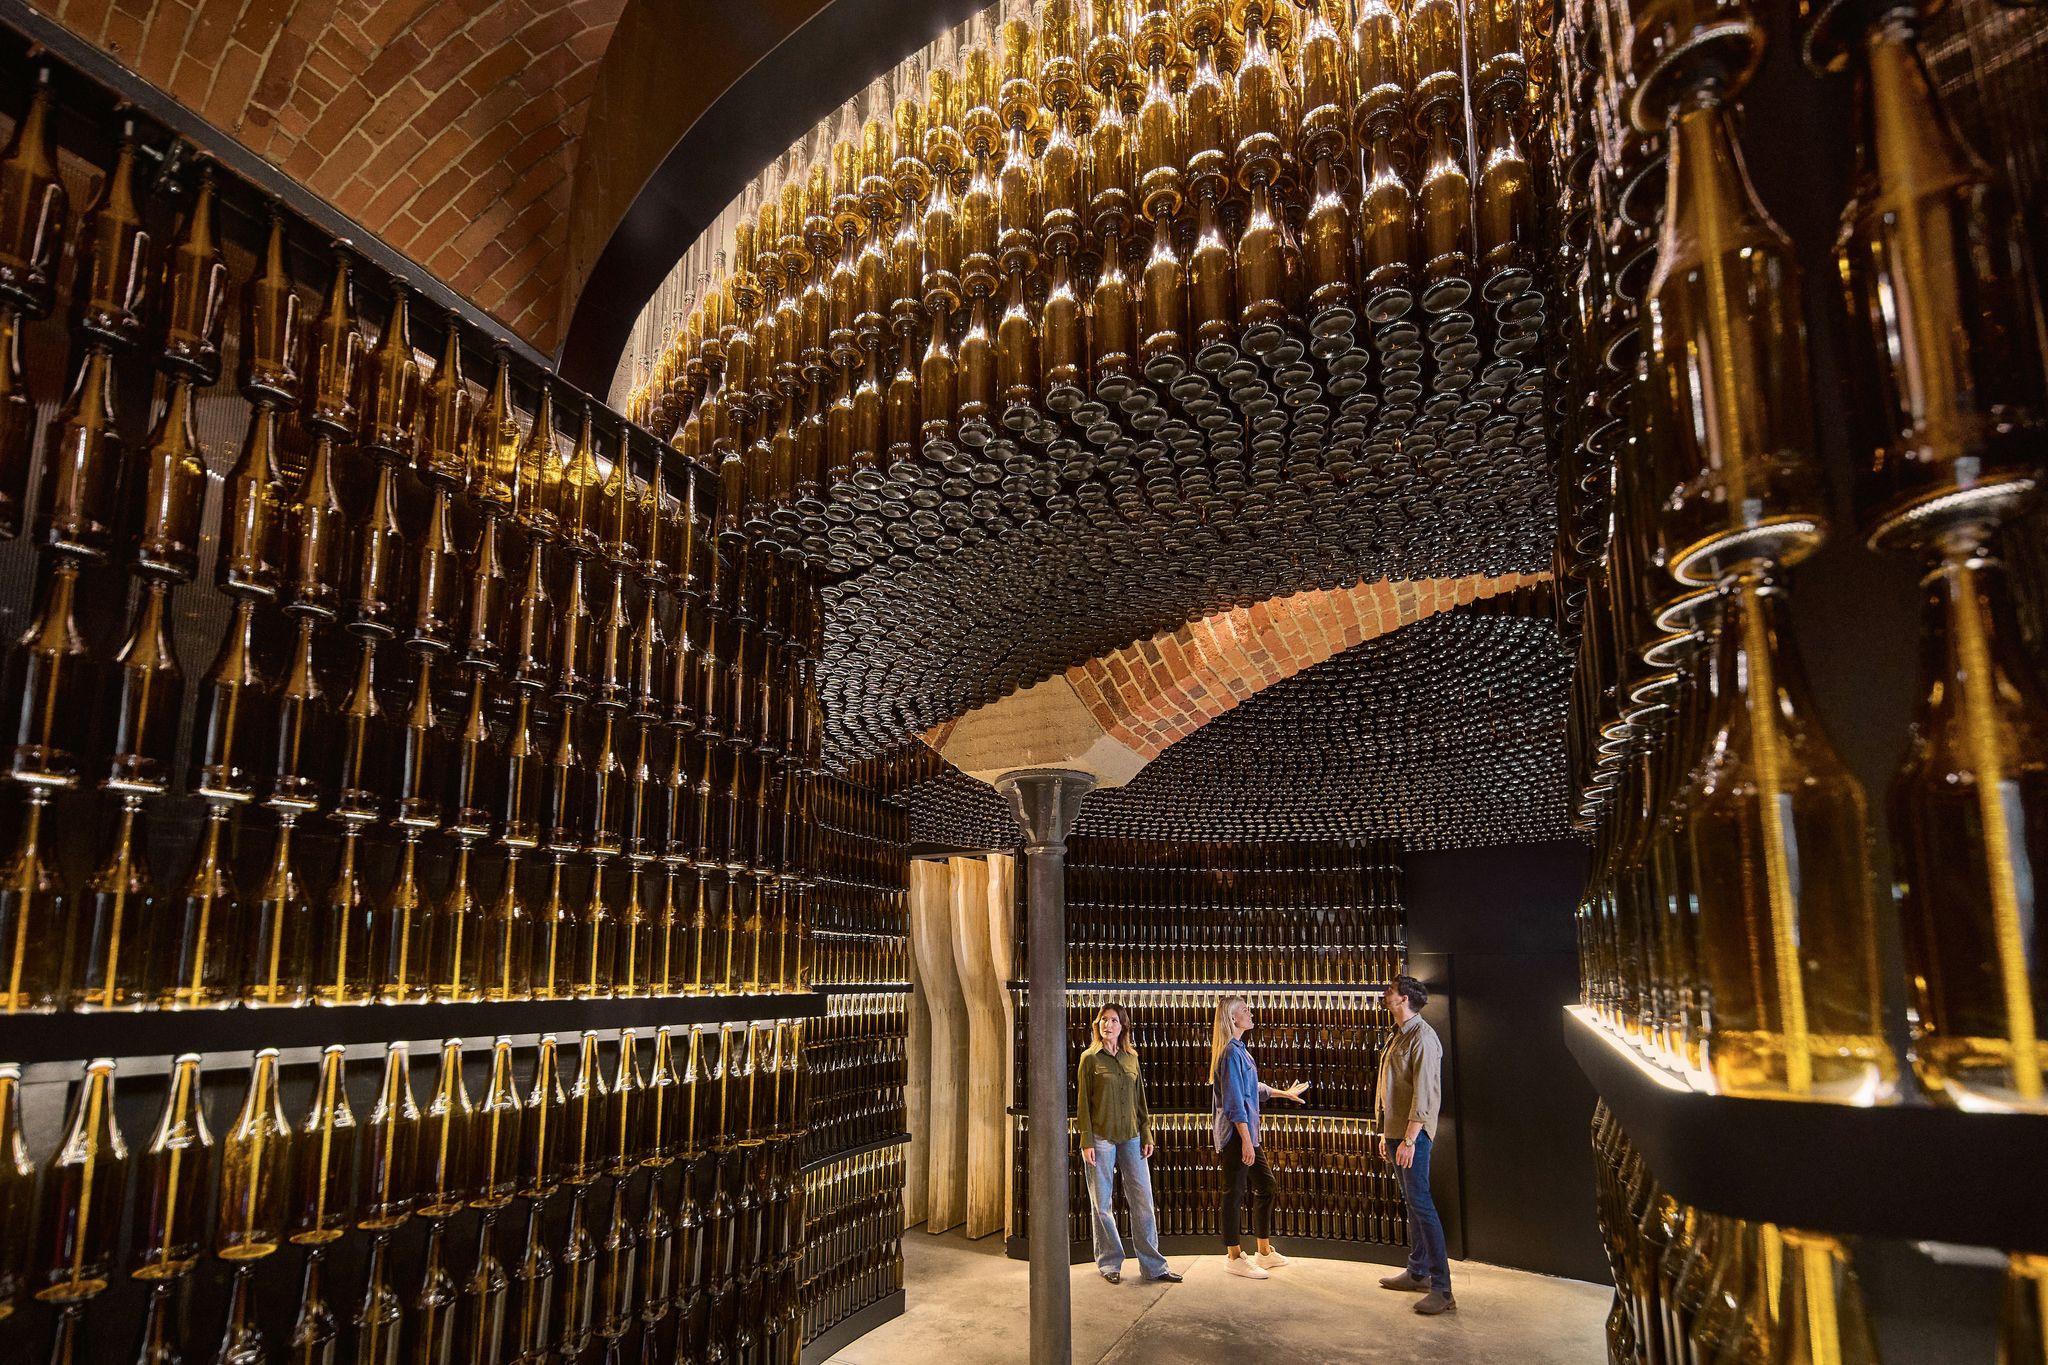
[966, 1306]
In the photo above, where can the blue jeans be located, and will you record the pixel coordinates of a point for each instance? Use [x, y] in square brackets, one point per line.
[1109, 1246]
[1427, 1257]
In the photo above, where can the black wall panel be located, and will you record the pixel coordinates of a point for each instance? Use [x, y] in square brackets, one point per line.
[1500, 922]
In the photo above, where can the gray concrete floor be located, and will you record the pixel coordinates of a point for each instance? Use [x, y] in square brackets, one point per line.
[966, 1306]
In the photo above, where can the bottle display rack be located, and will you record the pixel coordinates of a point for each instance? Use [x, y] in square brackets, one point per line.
[490, 1203]
[853, 1235]
[852, 1149]
[450, 932]
[1326, 919]
[1331, 1039]
[1279, 913]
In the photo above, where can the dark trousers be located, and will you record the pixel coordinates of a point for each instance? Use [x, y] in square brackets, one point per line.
[1240, 1179]
[1427, 1257]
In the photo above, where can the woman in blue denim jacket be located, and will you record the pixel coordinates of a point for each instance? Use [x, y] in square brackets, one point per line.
[1234, 1082]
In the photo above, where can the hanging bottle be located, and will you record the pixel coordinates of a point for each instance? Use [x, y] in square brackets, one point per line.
[315, 1337]
[540, 1143]
[390, 1146]
[446, 1166]
[108, 960]
[1787, 936]
[174, 1180]
[1969, 814]
[324, 1149]
[17, 1189]
[482, 1308]
[83, 1183]
[241, 1337]
[256, 1169]
[380, 1313]
[497, 1133]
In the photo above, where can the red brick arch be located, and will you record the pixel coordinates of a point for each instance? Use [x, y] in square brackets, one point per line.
[1149, 694]
[447, 127]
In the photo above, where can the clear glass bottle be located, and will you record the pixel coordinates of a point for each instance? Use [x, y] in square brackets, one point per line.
[1779, 863]
[447, 1133]
[390, 1147]
[323, 1181]
[83, 1183]
[175, 1180]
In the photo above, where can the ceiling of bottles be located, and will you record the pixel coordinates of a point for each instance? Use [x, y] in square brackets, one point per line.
[1443, 734]
[1097, 317]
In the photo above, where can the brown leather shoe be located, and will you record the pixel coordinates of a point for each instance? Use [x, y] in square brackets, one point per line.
[1436, 1303]
[1404, 1282]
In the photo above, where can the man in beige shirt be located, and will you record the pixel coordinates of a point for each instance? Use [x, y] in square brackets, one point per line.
[1409, 1095]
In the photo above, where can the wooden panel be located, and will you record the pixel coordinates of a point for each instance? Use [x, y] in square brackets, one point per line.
[987, 1044]
[1002, 943]
[917, 1100]
[931, 939]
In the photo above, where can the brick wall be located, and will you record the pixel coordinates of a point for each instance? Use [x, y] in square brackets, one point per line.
[1149, 694]
[447, 127]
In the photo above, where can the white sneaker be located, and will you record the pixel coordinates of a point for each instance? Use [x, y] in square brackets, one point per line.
[1241, 1265]
[1271, 1260]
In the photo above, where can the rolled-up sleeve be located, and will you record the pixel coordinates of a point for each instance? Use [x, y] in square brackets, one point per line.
[1428, 1079]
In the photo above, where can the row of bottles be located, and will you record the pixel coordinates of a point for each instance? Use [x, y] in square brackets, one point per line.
[312, 1178]
[577, 667]
[856, 1067]
[1730, 928]
[1284, 913]
[1333, 1183]
[1331, 1039]
[687, 1263]
[853, 1237]
[467, 931]
[710, 1117]
[860, 902]
[1697, 1288]
[1175, 296]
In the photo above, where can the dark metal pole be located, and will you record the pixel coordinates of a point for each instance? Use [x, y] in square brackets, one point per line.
[1045, 801]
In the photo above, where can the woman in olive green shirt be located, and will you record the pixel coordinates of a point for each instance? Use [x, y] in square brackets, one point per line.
[1116, 1130]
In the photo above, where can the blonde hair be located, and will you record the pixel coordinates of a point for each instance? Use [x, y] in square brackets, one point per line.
[1223, 1033]
[1125, 1047]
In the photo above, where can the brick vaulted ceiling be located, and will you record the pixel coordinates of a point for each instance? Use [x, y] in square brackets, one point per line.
[447, 127]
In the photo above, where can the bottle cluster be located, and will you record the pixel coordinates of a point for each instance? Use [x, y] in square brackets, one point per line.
[853, 1237]
[1331, 1039]
[1691, 1285]
[1731, 926]
[1177, 276]
[1289, 913]
[859, 904]
[575, 690]
[658, 1191]
[855, 1060]
[1333, 1183]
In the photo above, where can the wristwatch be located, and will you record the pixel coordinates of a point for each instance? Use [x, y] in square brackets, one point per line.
[1407, 1142]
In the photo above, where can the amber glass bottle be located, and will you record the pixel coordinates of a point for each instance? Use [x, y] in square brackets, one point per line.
[1779, 859]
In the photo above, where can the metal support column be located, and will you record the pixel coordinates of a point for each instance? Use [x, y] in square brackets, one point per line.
[1045, 801]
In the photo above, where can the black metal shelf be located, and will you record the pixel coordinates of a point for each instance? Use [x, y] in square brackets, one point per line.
[1947, 1176]
[1234, 987]
[851, 1328]
[859, 1149]
[30, 1039]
